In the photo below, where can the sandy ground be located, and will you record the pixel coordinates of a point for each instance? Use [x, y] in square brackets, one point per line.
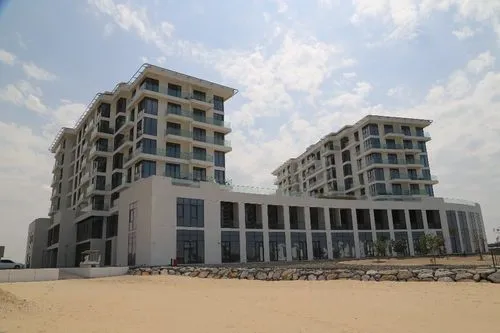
[180, 304]
[471, 261]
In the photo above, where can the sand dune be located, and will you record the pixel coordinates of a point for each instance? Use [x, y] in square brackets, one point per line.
[179, 304]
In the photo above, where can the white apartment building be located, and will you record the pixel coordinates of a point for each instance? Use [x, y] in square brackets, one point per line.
[141, 178]
[159, 123]
[378, 157]
[36, 242]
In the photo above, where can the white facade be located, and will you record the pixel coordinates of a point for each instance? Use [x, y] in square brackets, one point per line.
[36, 242]
[262, 228]
[159, 123]
[378, 157]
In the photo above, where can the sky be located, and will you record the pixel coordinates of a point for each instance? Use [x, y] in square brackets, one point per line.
[302, 68]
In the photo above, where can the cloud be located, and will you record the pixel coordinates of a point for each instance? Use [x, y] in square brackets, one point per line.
[38, 73]
[109, 28]
[350, 75]
[23, 94]
[464, 33]
[396, 91]
[482, 62]
[7, 57]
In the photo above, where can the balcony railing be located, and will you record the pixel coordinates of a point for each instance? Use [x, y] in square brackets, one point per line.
[384, 161]
[191, 115]
[174, 93]
[412, 177]
[402, 193]
[179, 132]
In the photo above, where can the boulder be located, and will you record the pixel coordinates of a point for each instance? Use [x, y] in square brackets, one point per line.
[404, 274]
[494, 277]
[463, 276]
[445, 279]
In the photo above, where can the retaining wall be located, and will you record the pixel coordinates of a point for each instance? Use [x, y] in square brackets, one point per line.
[29, 275]
[483, 274]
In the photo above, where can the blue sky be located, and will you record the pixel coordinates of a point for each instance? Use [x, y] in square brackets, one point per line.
[303, 69]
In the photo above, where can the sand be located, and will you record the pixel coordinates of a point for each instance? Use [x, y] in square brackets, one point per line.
[180, 304]
[448, 261]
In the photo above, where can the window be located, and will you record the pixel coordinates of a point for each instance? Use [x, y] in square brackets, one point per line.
[253, 216]
[199, 174]
[149, 106]
[319, 247]
[199, 95]
[388, 129]
[406, 130]
[424, 160]
[173, 150]
[381, 219]
[104, 110]
[190, 246]
[219, 159]
[297, 219]
[429, 190]
[148, 169]
[174, 90]
[433, 219]
[173, 128]
[275, 218]
[340, 218]
[199, 153]
[199, 115]
[174, 108]
[255, 246]
[363, 219]
[230, 246]
[199, 134]
[220, 177]
[407, 144]
[219, 138]
[150, 84]
[416, 219]
[397, 189]
[190, 213]
[343, 245]
[229, 214]
[148, 146]
[277, 246]
[172, 170]
[132, 214]
[317, 217]
[150, 126]
[218, 103]
[299, 246]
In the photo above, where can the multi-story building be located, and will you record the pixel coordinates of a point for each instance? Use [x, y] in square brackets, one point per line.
[141, 178]
[378, 157]
[36, 242]
[159, 123]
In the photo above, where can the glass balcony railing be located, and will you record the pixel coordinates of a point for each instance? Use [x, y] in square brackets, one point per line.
[412, 177]
[175, 93]
[201, 119]
[179, 112]
[179, 132]
[402, 193]
[385, 161]
[407, 133]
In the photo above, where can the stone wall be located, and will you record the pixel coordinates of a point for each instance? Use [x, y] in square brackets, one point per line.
[352, 273]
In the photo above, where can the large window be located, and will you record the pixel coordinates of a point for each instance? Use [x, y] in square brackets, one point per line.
[433, 219]
[320, 250]
[297, 219]
[253, 216]
[220, 176]
[173, 150]
[277, 246]
[148, 168]
[218, 103]
[149, 105]
[219, 159]
[299, 246]
[229, 214]
[381, 219]
[363, 217]
[150, 126]
[416, 219]
[343, 245]
[317, 216]
[172, 170]
[275, 218]
[190, 213]
[255, 246]
[230, 246]
[199, 174]
[148, 146]
[398, 219]
[340, 218]
[190, 247]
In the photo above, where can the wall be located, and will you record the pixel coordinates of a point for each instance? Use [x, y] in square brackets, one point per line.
[29, 275]
[37, 234]
[95, 272]
[156, 233]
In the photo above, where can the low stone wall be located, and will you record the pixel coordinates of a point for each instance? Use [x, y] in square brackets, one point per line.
[354, 273]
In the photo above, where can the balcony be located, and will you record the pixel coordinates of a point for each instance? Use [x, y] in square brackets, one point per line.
[402, 193]
[100, 149]
[403, 176]
[101, 132]
[213, 122]
[175, 113]
[174, 132]
[396, 134]
[212, 141]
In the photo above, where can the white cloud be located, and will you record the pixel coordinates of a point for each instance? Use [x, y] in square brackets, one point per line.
[482, 62]
[464, 33]
[38, 73]
[7, 57]
[282, 6]
[396, 91]
[350, 75]
[109, 28]
[23, 94]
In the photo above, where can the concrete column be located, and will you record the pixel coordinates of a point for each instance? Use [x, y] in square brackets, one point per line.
[408, 230]
[329, 245]
[307, 218]
[288, 236]
[459, 228]
[391, 224]
[243, 238]
[372, 225]
[265, 229]
[355, 231]
[426, 224]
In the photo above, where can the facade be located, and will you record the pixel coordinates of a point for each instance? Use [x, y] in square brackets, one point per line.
[2, 251]
[37, 242]
[159, 123]
[378, 157]
[161, 219]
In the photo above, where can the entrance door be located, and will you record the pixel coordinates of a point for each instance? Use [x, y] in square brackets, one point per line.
[107, 253]
[190, 252]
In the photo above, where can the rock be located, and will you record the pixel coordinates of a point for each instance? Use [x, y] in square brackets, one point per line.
[295, 276]
[155, 272]
[371, 272]
[476, 277]
[388, 272]
[494, 277]
[331, 276]
[287, 274]
[365, 278]
[311, 277]
[261, 276]
[145, 273]
[303, 277]
[277, 275]
[194, 273]
[404, 274]
[345, 275]
[244, 274]
[463, 276]
[203, 274]
[466, 280]
[321, 277]
[443, 273]
[388, 278]
[484, 272]
[356, 277]
[423, 276]
[445, 279]
[164, 272]
[250, 276]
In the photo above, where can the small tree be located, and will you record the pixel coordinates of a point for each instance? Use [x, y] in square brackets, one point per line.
[399, 246]
[431, 244]
[380, 247]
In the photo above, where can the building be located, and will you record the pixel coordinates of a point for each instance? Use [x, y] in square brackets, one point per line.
[163, 218]
[141, 178]
[37, 242]
[378, 157]
[159, 123]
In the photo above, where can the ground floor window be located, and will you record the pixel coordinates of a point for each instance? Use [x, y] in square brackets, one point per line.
[230, 246]
[190, 247]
